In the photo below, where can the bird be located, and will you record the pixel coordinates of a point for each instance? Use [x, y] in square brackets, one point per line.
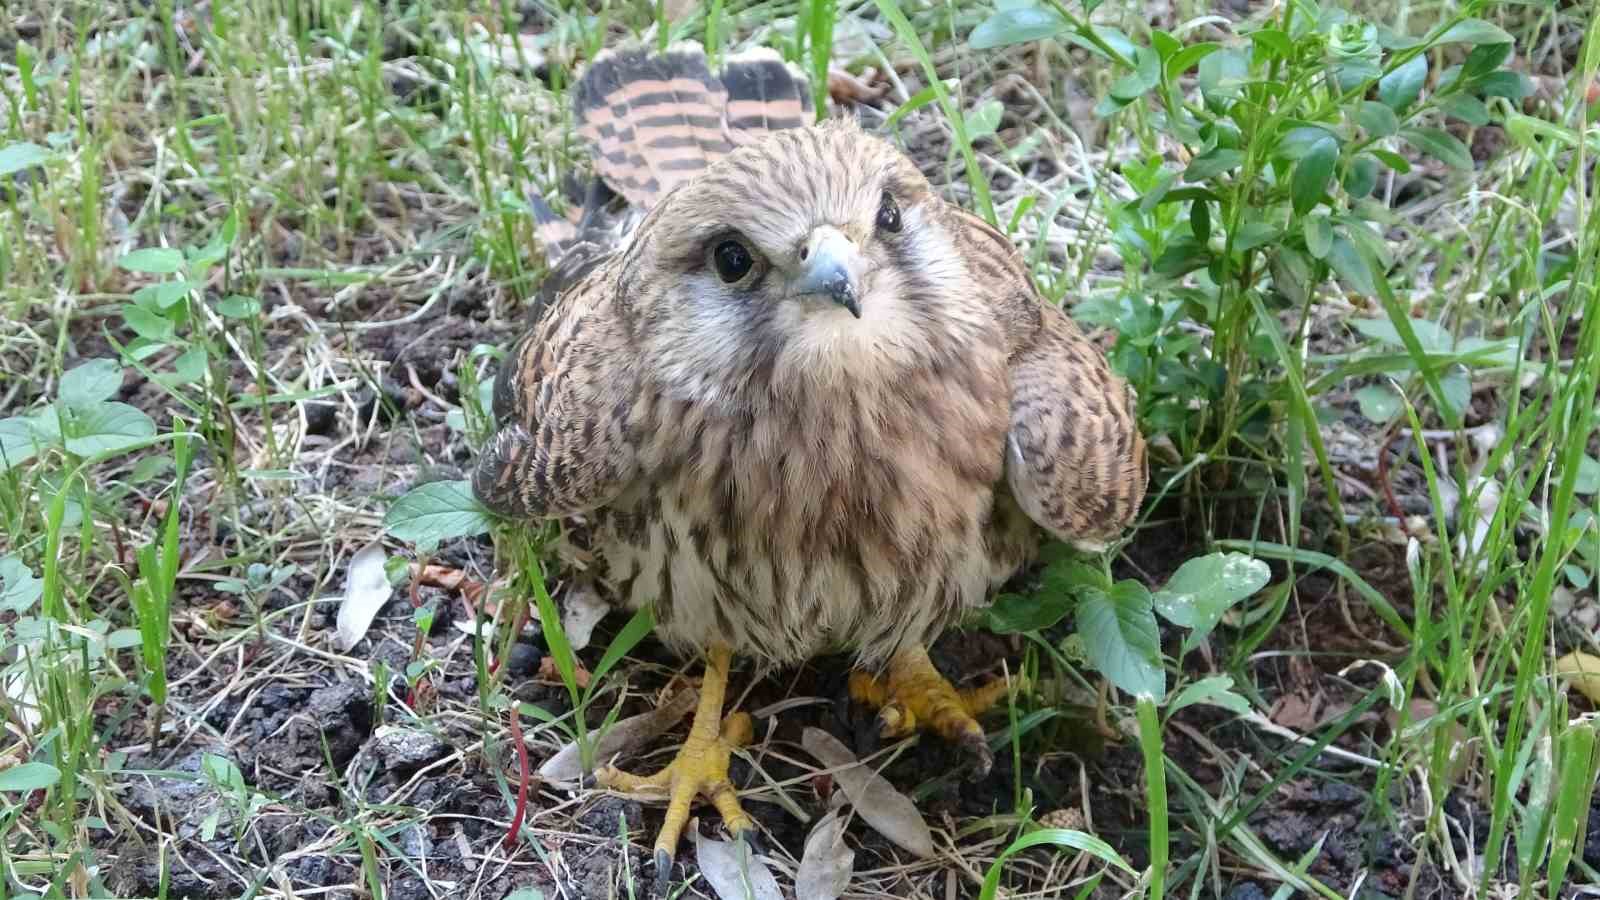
[800, 403]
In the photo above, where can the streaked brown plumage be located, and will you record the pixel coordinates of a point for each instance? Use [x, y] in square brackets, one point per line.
[844, 448]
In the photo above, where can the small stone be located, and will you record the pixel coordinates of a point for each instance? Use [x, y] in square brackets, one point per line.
[405, 750]
[523, 660]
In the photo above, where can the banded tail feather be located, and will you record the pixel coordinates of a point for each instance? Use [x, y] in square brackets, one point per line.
[653, 120]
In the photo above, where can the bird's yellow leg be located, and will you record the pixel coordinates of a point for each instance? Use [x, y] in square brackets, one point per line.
[699, 770]
[913, 695]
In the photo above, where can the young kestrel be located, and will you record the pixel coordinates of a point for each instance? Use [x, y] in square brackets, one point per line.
[802, 403]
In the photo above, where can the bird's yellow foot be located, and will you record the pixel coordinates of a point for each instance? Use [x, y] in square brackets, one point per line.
[912, 695]
[699, 770]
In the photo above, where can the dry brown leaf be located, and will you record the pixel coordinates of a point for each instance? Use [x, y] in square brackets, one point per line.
[622, 736]
[867, 88]
[366, 590]
[550, 671]
[827, 863]
[732, 870]
[1297, 711]
[1584, 670]
[876, 801]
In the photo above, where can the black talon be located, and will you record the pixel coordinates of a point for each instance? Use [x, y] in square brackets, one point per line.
[752, 839]
[981, 759]
[869, 735]
[663, 872]
[589, 781]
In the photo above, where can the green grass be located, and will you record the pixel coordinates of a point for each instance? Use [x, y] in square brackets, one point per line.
[1305, 241]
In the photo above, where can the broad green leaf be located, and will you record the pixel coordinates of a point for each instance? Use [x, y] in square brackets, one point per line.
[1376, 119]
[1145, 76]
[1181, 257]
[1185, 59]
[1200, 220]
[1311, 174]
[1433, 337]
[1214, 691]
[23, 155]
[89, 383]
[162, 295]
[1121, 639]
[107, 427]
[1212, 163]
[1271, 42]
[19, 589]
[1485, 58]
[1361, 177]
[1351, 266]
[985, 120]
[1202, 589]
[1223, 73]
[1299, 141]
[1441, 145]
[1456, 385]
[1474, 31]
[1588, 475]
[1016, 25]
[190, 366]
[237, 307]
[1467, 108]
[18, 442]
[435, 512]
[1059, 586]
[1019, 613]
[31, 776]
[1291, 273]
[148, 325]
[1513, 86]
[1254, 234]
[153, 260]
[1319, 235]
[1379, 403]
[1391, 159]
[1400, 88]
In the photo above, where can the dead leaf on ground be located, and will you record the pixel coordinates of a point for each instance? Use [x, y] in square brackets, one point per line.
[366, 590]
[549, 671]
[867, 88]
[827, 863]
[876, 801]
[1296, 710]
[732, 870]
[623, 736]
[1584, 670]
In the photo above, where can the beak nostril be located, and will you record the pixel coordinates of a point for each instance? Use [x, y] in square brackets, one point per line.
[804, 252]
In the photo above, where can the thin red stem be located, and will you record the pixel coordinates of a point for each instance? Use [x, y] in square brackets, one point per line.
[522, 781]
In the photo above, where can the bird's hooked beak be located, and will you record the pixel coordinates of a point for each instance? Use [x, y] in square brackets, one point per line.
[830, 263]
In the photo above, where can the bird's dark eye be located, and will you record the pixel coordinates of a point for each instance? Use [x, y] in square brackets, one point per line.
[888, 214]
[733, 260]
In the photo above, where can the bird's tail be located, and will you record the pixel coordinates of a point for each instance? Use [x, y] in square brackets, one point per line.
[653, 120]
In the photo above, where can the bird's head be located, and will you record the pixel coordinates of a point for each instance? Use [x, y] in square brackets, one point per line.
[821, 248]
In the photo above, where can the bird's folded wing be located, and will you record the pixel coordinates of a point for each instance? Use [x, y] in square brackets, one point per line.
[1075, 460]
[564, 403]
[1074, 457]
